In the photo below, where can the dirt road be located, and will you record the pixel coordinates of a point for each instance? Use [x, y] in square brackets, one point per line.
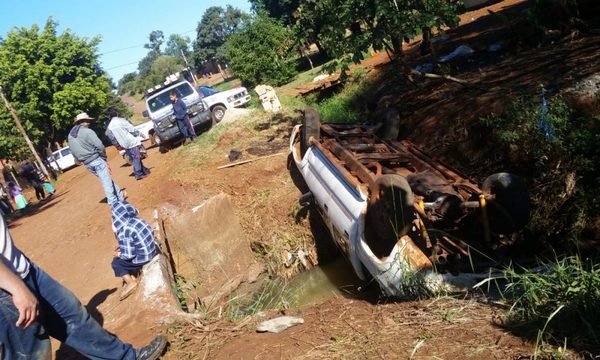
[70, 236]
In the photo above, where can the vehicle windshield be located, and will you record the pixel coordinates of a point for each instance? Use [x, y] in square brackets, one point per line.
[65, 152]
[162, 100]
[206, 91]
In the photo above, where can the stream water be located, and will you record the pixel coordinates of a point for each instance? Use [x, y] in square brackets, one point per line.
[333, 279]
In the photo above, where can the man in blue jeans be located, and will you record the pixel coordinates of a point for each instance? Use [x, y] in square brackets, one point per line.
[87, 149]
[34, 306]
[122, 134]
[183, 120]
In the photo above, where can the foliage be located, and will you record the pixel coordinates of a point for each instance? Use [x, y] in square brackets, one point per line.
[216, 26]
[177, 44]
[349, 29]
[563, 165]
[347, 106]
[534, 27]
[261, 53]
[156, 39]
[48, 78]
[282, 10]
[562, 300]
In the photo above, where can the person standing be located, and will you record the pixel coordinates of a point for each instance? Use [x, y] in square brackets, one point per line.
[34, 307]
[122, 133]
[183, 120]
[5, 205]
[87, 149]
[30, 173]
[17, 194]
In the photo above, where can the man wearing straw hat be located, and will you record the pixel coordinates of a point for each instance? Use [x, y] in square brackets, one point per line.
[89, 151]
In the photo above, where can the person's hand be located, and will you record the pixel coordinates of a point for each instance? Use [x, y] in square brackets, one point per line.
[28, 307]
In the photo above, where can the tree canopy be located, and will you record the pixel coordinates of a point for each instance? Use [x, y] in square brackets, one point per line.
[215, 27]
[262, 52]
[48, 78]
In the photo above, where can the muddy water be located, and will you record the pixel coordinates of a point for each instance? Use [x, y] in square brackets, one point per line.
[333, 279]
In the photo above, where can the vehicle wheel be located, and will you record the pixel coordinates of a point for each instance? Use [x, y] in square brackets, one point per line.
[390, 213]
[218, 113]
[509, 211]
[311, 128]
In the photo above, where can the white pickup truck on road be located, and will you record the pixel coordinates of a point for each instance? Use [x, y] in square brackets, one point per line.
[219, 101]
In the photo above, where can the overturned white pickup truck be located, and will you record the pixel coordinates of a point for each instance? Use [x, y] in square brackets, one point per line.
[401, 216]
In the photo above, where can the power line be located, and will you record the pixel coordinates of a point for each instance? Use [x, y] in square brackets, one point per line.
[139, 45]
[118, 66]
[117, 50]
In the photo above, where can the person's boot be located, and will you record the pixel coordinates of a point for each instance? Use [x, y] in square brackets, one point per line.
[153, 350]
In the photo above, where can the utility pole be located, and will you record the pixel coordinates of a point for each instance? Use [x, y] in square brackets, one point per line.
[189, 69]
[23, 133]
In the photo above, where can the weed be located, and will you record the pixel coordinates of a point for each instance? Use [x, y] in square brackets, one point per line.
[560, 301]
[448, 315]
[562, 164]
[273, 295]
[347, 105]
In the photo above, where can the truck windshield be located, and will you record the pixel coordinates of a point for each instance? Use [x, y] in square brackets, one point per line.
[162, 99]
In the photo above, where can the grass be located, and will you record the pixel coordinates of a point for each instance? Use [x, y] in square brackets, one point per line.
[273, 295]
[227, 84]
[560, 301]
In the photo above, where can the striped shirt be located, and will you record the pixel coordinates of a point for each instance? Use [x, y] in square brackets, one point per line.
[135, 236]
[11, 256]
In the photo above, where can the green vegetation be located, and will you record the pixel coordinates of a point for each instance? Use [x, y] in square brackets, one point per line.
[272, 295]
[559, 154]
[560, 301]
[49, 78]
[260, 53]
[214, 29]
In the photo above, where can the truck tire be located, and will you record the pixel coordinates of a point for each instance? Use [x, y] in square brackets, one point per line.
[390, 213]
[218, 113]
[509, 212]
[311, 128]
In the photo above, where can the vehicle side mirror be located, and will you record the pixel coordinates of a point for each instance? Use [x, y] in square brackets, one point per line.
[145, 113]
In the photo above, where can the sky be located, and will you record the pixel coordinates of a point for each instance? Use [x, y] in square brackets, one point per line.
[124, 25]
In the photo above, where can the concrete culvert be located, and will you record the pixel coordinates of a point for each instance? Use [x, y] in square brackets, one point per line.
[208, 245]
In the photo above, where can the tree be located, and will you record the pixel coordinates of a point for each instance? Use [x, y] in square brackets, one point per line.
[215, 27]
[48, 78]
[127, 83]
[349, 28]
[282, 10]
[262, 52]
[156, 38]
[176, 44]
[163, 66]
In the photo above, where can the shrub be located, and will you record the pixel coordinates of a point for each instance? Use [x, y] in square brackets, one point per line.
[561, 164]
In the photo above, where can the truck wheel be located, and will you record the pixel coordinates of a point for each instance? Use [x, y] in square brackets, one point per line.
[390, 213]
[218, 113]
[509, 211]
[311, 128]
